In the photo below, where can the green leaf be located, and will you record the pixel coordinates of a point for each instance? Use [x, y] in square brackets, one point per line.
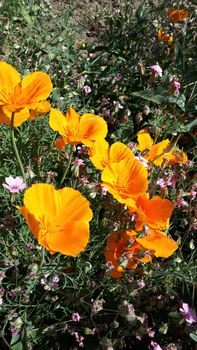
[26, 17]
[193, 336]
[161, 97]
[16, 343]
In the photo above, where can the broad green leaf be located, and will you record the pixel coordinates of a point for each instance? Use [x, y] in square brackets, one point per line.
[193, 336]
[161, 97]
[16, 343]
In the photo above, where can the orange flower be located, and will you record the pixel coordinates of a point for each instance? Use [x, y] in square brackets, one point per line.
[25, 98]
[101, 154]
[160, 152]
[158, 242]
[162, 36]
[59, 219]
[124, 252]
[76, 129]
[176, 15]
[154, 212]
[125, 180]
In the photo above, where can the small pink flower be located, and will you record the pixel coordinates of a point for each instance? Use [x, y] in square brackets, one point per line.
[87, 89]
[155, 346]
[104, 190]
[14, 185]
[188, 313]
[156, 70]
[75, 317]
[175, 86]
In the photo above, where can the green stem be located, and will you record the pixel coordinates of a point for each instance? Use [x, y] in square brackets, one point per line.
[13, 142]
[67, 166]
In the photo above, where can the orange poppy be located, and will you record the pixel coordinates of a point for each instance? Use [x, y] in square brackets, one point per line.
[158, 242]
[125, 180]
[75, 129]
[59, 219]
[122, 251]
[25, 98]
[101, 154]
[162, 36]
[125, 249]
[176, 15]
[159, 153]
[154, 212]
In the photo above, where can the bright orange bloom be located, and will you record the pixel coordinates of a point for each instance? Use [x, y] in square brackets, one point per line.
[75, 129]
[124, 252]
[154, 212]
[162, 36]
[101, 154]
[158, 242]
[159, 153]
[125, 180]
[176, 15]
[59, 219]
[25, 98]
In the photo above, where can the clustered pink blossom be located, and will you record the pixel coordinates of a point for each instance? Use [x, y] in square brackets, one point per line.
[14, 185]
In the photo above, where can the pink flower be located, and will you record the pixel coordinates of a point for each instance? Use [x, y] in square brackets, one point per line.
[155, 346]
[14, 185]
[175, 86]
[156, 70]
[188, 313]
[75, 317]
[87, 89]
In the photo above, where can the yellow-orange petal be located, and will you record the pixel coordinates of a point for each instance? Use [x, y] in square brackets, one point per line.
[92, 127]
[155, 212]
[145, 141]
[60, 143]
[126, 179]
[177, 156]
[70, 238]
[58, 122]
[38, 109]
[36, 87]
[42, 201]
[19, 117]
[74, 206]
[162, 245]
[176, 15]
[9, 78]
[99, 153]
[158, 152]
[119, 151]
[31, 221]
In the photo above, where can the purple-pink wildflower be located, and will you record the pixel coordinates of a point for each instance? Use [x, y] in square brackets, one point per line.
[14, 185]
[87, 89]
[155, 346]
[75, 317]
[156, 70]
[188, 313]
[175, 86]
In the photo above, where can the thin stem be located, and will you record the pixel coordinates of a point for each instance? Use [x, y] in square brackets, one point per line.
[67, 166]
[13, 142]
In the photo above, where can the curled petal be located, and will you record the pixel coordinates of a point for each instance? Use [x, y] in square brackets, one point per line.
[145, 141]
